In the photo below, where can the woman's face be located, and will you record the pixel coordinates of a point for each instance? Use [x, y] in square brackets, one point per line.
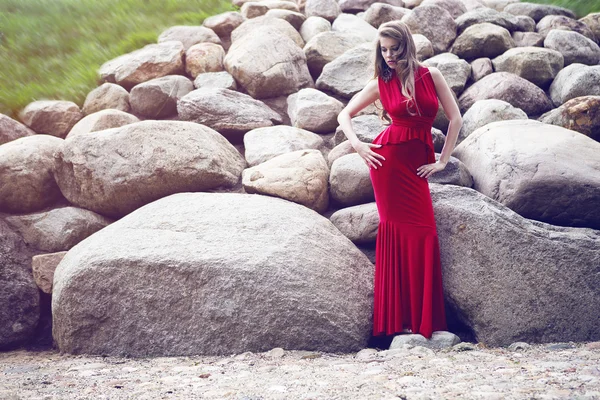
[390, 49]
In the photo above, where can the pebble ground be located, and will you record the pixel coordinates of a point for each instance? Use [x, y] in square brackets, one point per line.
[550, 371]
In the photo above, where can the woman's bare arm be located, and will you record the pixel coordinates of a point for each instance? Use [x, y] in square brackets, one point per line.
[452, 112]
[368, 95]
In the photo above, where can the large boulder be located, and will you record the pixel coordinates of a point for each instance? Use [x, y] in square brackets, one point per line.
[482, 40]
[484, 14]
[229, 112]
[508, 87]
[151, 61]
[480, 68]
[107, 95]
[483, 112]
[101, 120]
[223, 24]
[158, 97]
[575, 47]
[263, 144]
[26, 167]
[356, 25]
[349, 73]
[366, 128]
[295, 19]
[379, 13]
[327, 9]
[257, 272]
[358, 223]
[277, 25]
[349, 181]
[545, 286]
[575, 80]
[267, 63]
[543, 172]
[456, 8]
[537, 65]
[215, 80]
[592, 21]
[118, 171]
[189, 35]
[313, 110]
[537, 11]
[528, 39]
[581, 114]
[550, 22]
[327, 46]
[57, 229]
[11, 129]
[423, 46]
[313, 26]
[300, 176]
[456, 72]
[204, 57]
[51, 117]
[433, 22]
[19, 295]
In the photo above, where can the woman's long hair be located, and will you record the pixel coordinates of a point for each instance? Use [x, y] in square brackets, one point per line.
[407, 63]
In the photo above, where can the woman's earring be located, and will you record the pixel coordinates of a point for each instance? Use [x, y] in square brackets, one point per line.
[386, 73]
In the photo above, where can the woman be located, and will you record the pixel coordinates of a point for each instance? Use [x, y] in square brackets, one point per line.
[408, 280]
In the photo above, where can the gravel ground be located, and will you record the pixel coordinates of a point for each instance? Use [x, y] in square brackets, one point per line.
[550, 371]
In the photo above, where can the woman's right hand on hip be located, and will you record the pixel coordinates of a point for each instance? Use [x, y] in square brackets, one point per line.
[371, 158]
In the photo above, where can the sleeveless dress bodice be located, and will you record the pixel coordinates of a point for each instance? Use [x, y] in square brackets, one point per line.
[405, 126]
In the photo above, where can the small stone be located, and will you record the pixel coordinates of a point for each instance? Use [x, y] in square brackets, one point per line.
[366, 354]
[277, 352]
[464, 346]
[519, 346]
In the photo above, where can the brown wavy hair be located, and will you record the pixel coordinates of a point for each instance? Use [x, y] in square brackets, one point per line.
[407, 63]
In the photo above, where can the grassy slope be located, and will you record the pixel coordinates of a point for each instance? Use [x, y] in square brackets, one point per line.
[53, 48]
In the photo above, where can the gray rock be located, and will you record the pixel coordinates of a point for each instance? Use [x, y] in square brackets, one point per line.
[531, 265]
[349, 73]
[327, 9]
[581, 114]
[543, 172]
[11, 129]
[379, 13]
[456, 72]
[51, 117]
[358, 223]
[482, 40]
[484, 14]
[423, 46]
[519, 346]
[575, 47]
[537, 65]
[223, 24]
[464, 346]
[263, 144]
[151, 61]
[229, 112]
[355, 6]
[528, 39]
[525, 23]
[157, 98]
[313, 110]
[128, 167]
[537, 11]
[561, 22]
[43, 267]
[189, 35]
[480, 68]
[433, 22]
[575, 80]
[26, 167]
[313, 26]
[101, 120]
[278, 25]
[327, 46]
[350, 182]
[508, 87]
[258, 272]
[352, 24]
[592, 21]
[215, 80]
[456, 8]
[295, 19]
[19, 295]
[439, 340]
[366, 128]
[107, 95]
[58, 229]
[484, 112]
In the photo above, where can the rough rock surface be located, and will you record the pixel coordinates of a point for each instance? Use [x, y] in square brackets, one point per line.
[26, 167]
[43, 267]
[51, 117]
[543, 172]
[11, 129]
[101, 120]
[107, 95]
[119, 171]
[158, 97]
[259, 273]
[435, 23]
[575, 80]
[581, 114]
[484, 112]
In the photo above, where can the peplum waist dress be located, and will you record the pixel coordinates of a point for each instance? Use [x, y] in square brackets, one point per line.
[408, 292]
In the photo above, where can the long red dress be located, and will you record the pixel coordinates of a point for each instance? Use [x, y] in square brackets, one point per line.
[408, 278]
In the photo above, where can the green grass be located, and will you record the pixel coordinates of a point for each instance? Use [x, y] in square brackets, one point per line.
[52, 48]
[580, 7]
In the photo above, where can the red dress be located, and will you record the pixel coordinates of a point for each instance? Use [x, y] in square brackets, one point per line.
[408, 278]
